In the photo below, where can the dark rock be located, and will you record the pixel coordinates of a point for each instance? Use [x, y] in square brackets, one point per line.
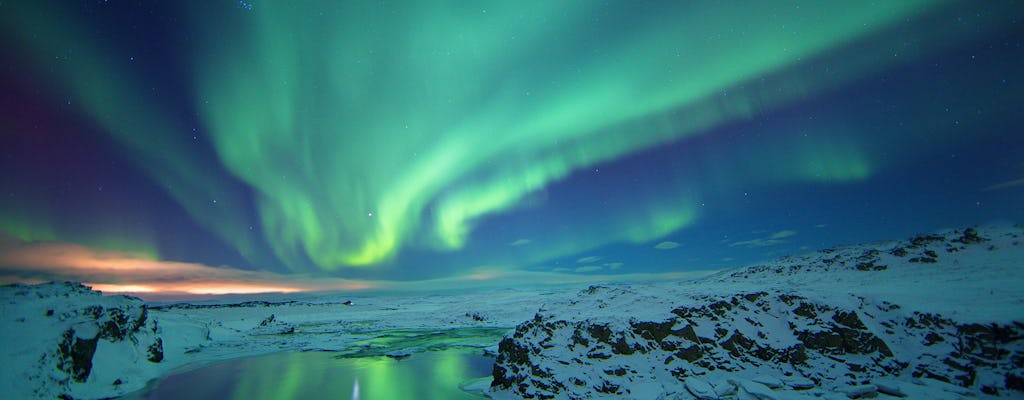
[687, 333]
[690, 354]
[600, 332]
[970, 236]
[578, 339]
[617, 372]
[922, 240]
[599, 356]
[155, 351]
[111, 330]
[752, 297]
[848, 319]
[653, 330]
[1014, 382]
[621, 347]
[805, 310]
[737, 343]
[77, 354]
[720, 308]
[932, 338]
[842, 340]
[607, 387]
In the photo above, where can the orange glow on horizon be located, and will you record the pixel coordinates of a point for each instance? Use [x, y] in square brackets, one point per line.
[115, 288]
[221, 288]
[119, 272]
[236, 289]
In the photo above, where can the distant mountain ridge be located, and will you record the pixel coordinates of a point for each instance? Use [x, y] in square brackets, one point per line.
[934, 316]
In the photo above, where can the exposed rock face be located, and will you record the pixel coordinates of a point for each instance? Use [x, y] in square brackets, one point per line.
[77, 355]
[598, 348]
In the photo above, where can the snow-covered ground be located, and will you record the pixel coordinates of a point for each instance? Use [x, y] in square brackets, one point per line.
[937, 316]
[933, 317]
[46, 354]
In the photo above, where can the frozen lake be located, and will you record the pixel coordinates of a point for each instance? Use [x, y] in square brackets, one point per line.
[318, 375]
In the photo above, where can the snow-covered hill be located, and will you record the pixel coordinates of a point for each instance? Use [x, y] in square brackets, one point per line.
[934, 317]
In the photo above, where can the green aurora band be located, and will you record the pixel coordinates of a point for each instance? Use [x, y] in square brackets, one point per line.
[337, 113]
[365, 129]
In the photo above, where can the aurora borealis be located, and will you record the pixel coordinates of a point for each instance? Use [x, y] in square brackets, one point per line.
[425, 140]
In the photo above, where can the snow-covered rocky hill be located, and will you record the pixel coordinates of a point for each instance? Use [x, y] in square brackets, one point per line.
[60, 339]
[934, 317]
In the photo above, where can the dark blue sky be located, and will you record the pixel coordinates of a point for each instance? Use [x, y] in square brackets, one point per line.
[410, 142]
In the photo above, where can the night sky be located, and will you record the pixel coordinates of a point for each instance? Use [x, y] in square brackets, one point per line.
[232, 146]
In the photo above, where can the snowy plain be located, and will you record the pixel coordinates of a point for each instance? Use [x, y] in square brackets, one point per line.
[62, 339]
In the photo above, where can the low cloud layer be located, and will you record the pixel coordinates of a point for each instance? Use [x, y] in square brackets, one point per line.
[770, 240]
[666, 245]
[121, 272]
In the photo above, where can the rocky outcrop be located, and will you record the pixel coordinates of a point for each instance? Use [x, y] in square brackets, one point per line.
[113, 324]
[831, 346]
[711, 345]
[272, 326]
[78, 328]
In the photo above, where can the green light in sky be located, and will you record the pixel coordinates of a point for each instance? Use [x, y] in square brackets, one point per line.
[433, 117]
[31, 224]
[363, 129]
[110, 95]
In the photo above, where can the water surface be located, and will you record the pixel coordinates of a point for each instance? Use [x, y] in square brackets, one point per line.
[319, 375]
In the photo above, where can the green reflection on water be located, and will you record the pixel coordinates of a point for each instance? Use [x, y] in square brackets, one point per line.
[318, 375]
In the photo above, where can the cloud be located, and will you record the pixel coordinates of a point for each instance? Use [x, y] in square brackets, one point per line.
[588, 268]
[782, 234]
[1006, 185]
[122, 272]
[771, 240]
[667, 245]
[614, 265]
[520, 242]
[820, 226]
[587, 260]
